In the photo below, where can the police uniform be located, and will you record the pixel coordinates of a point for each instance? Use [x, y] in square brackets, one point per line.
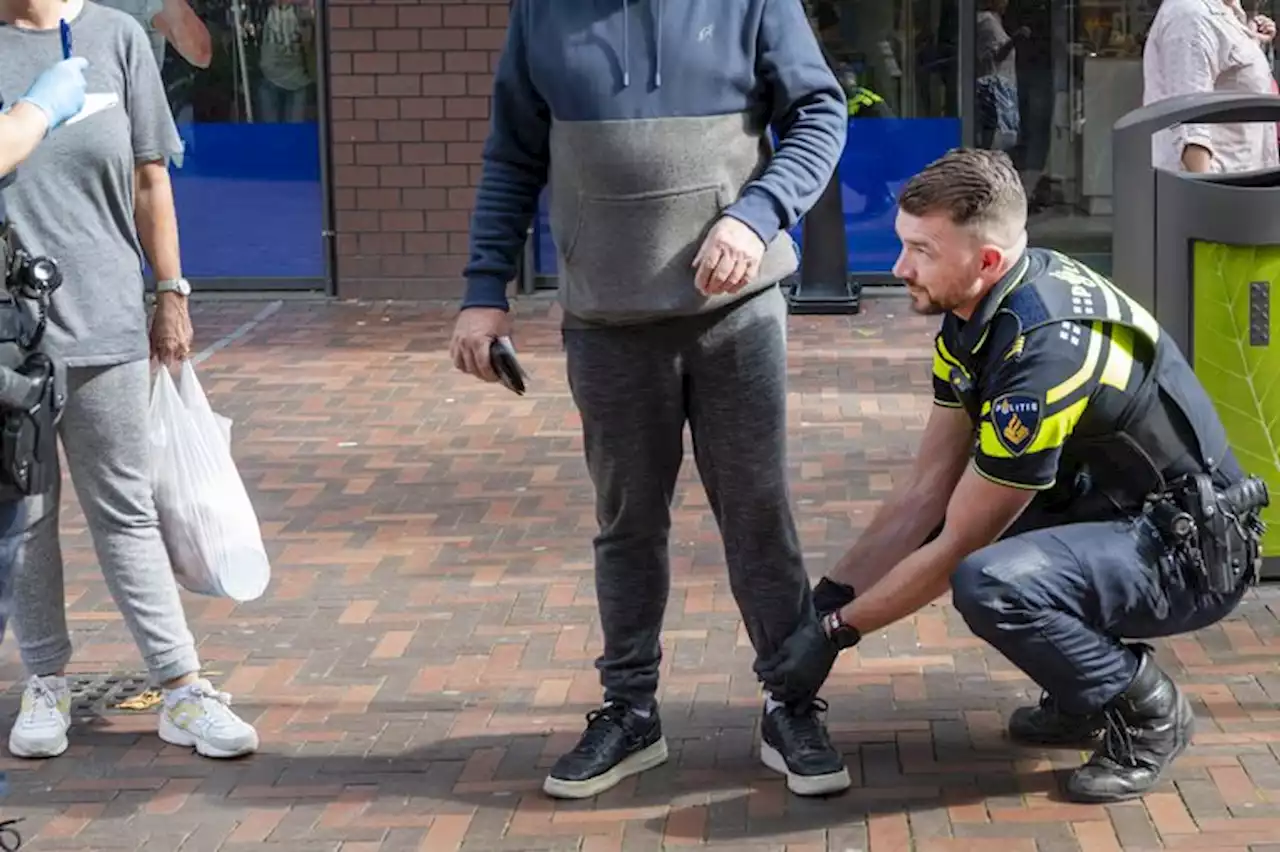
[1077, 395]
[30, 398]
[12, 510]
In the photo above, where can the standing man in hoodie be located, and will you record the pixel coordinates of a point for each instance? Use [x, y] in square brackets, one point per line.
[650, 123]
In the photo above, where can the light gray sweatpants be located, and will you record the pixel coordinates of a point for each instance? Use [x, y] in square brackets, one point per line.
[105, 437]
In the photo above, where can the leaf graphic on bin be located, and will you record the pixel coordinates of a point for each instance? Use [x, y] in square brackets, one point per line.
[1241, 379]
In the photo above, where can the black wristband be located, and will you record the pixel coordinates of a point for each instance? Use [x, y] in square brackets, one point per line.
[841, 634]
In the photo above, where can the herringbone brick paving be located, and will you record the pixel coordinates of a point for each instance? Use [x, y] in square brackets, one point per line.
[425, 648]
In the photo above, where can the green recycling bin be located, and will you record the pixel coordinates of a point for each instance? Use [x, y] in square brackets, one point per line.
[1201, 252]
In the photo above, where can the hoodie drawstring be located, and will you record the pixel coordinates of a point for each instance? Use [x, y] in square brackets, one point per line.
[626, 45]
[657, 48]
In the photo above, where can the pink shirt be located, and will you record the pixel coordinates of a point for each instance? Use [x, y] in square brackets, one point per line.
[1202, 46]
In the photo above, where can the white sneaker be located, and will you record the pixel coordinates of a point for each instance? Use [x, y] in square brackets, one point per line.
[198, 716]
[43, 721]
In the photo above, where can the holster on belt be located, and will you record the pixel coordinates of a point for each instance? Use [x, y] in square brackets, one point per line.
[29, 434]
[1216, 534]
[30, 397]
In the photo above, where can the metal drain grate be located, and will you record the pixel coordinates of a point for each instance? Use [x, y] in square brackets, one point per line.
[94, 695]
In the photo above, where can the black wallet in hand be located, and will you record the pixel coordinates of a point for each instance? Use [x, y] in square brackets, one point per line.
[502, 355]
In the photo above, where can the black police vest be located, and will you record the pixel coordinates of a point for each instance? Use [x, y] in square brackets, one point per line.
[1125, 448]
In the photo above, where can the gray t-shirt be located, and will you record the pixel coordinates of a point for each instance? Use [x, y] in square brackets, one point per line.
[73, 198]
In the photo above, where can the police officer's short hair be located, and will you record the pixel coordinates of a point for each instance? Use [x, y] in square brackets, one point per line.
[974, 187]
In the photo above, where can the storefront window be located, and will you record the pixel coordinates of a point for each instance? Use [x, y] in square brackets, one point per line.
[1077, 68]
[897, 62]
[242, 83]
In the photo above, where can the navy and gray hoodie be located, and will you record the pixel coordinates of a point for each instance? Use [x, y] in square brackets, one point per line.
[648, 120]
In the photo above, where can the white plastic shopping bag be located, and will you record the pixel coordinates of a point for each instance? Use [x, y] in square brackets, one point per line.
[206, 518]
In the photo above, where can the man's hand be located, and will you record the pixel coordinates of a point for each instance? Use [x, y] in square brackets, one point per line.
[1264, 29]
[800, 667]
[171, 332]
[473, 334]
[728, 259]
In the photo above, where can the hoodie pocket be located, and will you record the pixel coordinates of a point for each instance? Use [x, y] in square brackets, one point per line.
[621, 248]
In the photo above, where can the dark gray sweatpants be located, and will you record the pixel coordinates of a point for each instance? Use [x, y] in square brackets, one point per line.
[636, 386]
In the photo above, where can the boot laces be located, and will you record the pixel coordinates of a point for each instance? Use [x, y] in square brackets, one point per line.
[1118, 739]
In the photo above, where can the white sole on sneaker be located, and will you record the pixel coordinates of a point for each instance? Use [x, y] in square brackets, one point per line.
[174, 735]
[804, 785]
[17, 749]
[648, 758]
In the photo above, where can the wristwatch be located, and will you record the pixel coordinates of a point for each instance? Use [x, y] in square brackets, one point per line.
[181, 286]
[841, 634]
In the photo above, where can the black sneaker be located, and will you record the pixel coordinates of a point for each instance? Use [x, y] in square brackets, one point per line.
[1046, 725]
[617, 743]
[794, 742]
[829, 596]
[1147, 727]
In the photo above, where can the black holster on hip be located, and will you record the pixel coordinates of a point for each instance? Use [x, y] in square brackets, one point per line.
[1215, 534]
[29, 433]
[31, 399]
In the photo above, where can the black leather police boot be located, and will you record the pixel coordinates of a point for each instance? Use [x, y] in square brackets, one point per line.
[1046, 724]
[1147, 726]
[829, 596]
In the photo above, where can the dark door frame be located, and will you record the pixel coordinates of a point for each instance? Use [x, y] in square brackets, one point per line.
[966, 67]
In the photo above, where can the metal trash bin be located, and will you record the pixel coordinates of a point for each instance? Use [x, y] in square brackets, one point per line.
[1201, 252]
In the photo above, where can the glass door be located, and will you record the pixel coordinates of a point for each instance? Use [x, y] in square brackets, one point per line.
[244, 80]
[898, 62]
[1050, 79]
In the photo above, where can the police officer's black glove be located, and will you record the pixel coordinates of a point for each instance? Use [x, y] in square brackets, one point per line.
[799, 668]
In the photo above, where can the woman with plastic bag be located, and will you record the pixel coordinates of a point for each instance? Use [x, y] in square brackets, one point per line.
[96, 196]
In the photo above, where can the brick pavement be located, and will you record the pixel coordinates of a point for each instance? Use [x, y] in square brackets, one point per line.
[425, 648]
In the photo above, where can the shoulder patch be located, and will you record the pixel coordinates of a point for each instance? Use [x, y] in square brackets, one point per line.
[1015, 351]
[1016, 418]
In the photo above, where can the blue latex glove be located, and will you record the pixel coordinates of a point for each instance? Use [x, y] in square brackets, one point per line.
[59, 90]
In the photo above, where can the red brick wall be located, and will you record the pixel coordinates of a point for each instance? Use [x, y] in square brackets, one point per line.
[409, 106]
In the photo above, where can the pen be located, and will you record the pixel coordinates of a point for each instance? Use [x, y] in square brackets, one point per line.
[65, 30]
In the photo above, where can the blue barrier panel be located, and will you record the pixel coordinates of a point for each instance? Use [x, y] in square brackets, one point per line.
[250, 202]
[881, 154]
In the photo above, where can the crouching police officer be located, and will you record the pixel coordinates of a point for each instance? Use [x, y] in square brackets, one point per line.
[1075, 478]
[29, 396]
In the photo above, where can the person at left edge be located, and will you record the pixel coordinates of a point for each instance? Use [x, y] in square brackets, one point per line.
[1065, 422]
[649, 122]
[53, 97]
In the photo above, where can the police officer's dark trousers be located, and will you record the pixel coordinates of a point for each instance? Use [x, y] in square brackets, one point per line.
[13, 522]
[1057, 601]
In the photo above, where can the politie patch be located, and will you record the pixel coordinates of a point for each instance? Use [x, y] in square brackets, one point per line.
[1016, 418]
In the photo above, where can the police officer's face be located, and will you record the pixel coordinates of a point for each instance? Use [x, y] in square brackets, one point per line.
[944, 267]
